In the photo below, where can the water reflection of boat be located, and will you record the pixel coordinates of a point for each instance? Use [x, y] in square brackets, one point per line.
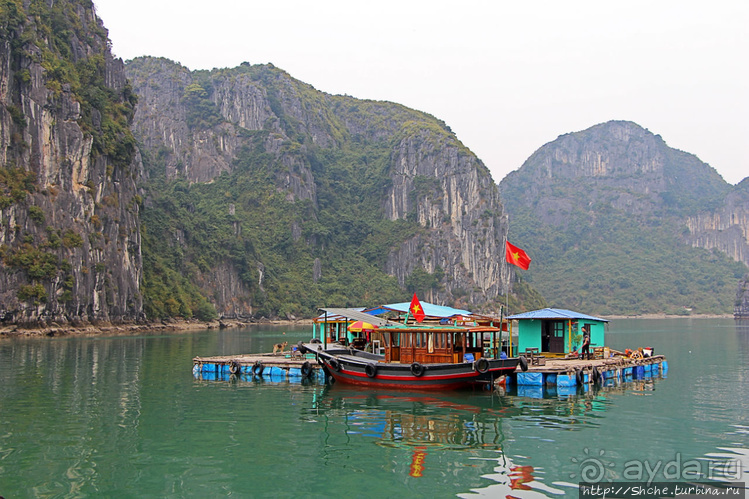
[430, 428]
[413, 420]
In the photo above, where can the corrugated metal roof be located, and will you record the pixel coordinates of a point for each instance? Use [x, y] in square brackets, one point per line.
[333, 317]
[356, 315]
[555, 313]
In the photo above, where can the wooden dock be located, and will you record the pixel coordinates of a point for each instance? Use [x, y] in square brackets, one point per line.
[274, 365]
[575, 372]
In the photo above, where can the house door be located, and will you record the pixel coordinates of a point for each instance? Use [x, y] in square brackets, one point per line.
[556, 337]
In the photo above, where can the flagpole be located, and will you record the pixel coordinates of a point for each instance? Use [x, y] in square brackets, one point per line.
[519, 258]
[507, 307]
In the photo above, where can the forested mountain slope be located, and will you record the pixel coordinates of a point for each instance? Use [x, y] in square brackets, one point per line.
[271, 198]
[609, 216]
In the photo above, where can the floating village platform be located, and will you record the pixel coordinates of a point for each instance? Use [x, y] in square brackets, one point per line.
[542, 372]
[562, 372]
[268, 365]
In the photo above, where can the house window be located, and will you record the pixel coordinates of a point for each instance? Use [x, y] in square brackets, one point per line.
[559, 329]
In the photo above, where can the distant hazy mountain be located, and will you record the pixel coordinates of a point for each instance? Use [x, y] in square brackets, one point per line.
[617, 222]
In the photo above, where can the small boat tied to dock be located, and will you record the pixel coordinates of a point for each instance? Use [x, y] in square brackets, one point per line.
[452, 349]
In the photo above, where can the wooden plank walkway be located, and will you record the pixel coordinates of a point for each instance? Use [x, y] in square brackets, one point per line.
[561, 365]
[281, 360]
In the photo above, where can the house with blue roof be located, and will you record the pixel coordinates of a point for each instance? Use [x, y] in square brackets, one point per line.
[555, 330]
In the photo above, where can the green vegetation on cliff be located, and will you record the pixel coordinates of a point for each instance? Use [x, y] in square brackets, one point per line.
[624, 265]
[241, 219]
[298, 217]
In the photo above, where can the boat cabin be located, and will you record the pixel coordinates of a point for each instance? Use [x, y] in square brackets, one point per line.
[446, 334]
[558, 331]
[435, 344]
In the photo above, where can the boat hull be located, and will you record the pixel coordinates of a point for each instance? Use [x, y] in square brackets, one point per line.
[358, 368]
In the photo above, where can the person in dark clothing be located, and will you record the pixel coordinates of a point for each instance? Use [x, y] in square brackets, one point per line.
[585, 350]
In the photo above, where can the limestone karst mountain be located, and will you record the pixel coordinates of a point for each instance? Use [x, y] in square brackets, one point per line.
[322, 198]
[619, 223]
[70, 242]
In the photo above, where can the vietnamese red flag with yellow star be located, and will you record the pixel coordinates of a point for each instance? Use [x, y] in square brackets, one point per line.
[516, 256]
[416, 311]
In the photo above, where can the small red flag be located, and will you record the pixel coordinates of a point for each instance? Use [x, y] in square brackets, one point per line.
[516, 256]
[416, 310]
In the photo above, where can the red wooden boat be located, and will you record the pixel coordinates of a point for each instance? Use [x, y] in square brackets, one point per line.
[418, 357]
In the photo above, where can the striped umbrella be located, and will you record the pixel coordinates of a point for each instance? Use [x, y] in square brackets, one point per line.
[359, 326]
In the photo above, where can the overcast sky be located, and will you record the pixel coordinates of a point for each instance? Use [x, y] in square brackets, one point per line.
[507, 77]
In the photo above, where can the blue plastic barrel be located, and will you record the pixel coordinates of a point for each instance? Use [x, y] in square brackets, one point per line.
[530, 379]
[565, 380]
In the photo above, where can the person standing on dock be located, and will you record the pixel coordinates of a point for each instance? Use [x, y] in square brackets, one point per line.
[585, 350]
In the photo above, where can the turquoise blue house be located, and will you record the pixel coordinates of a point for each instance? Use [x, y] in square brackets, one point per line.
[555, 330]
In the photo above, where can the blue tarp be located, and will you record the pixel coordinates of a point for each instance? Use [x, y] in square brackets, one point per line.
[565, 380]
[530, 379]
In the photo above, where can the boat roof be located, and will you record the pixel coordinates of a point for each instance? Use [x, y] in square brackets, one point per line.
[355, 314]
[429, 309]
[358, 315]
[331, 317]
[555, 313]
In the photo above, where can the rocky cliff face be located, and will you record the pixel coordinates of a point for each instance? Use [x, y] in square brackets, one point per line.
[617, 164]
[741, 308]
[201, 123]
[69, 225]
[727, 228]
[448, 191]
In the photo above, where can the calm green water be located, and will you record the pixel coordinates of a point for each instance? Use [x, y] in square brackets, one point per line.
[124, 417]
